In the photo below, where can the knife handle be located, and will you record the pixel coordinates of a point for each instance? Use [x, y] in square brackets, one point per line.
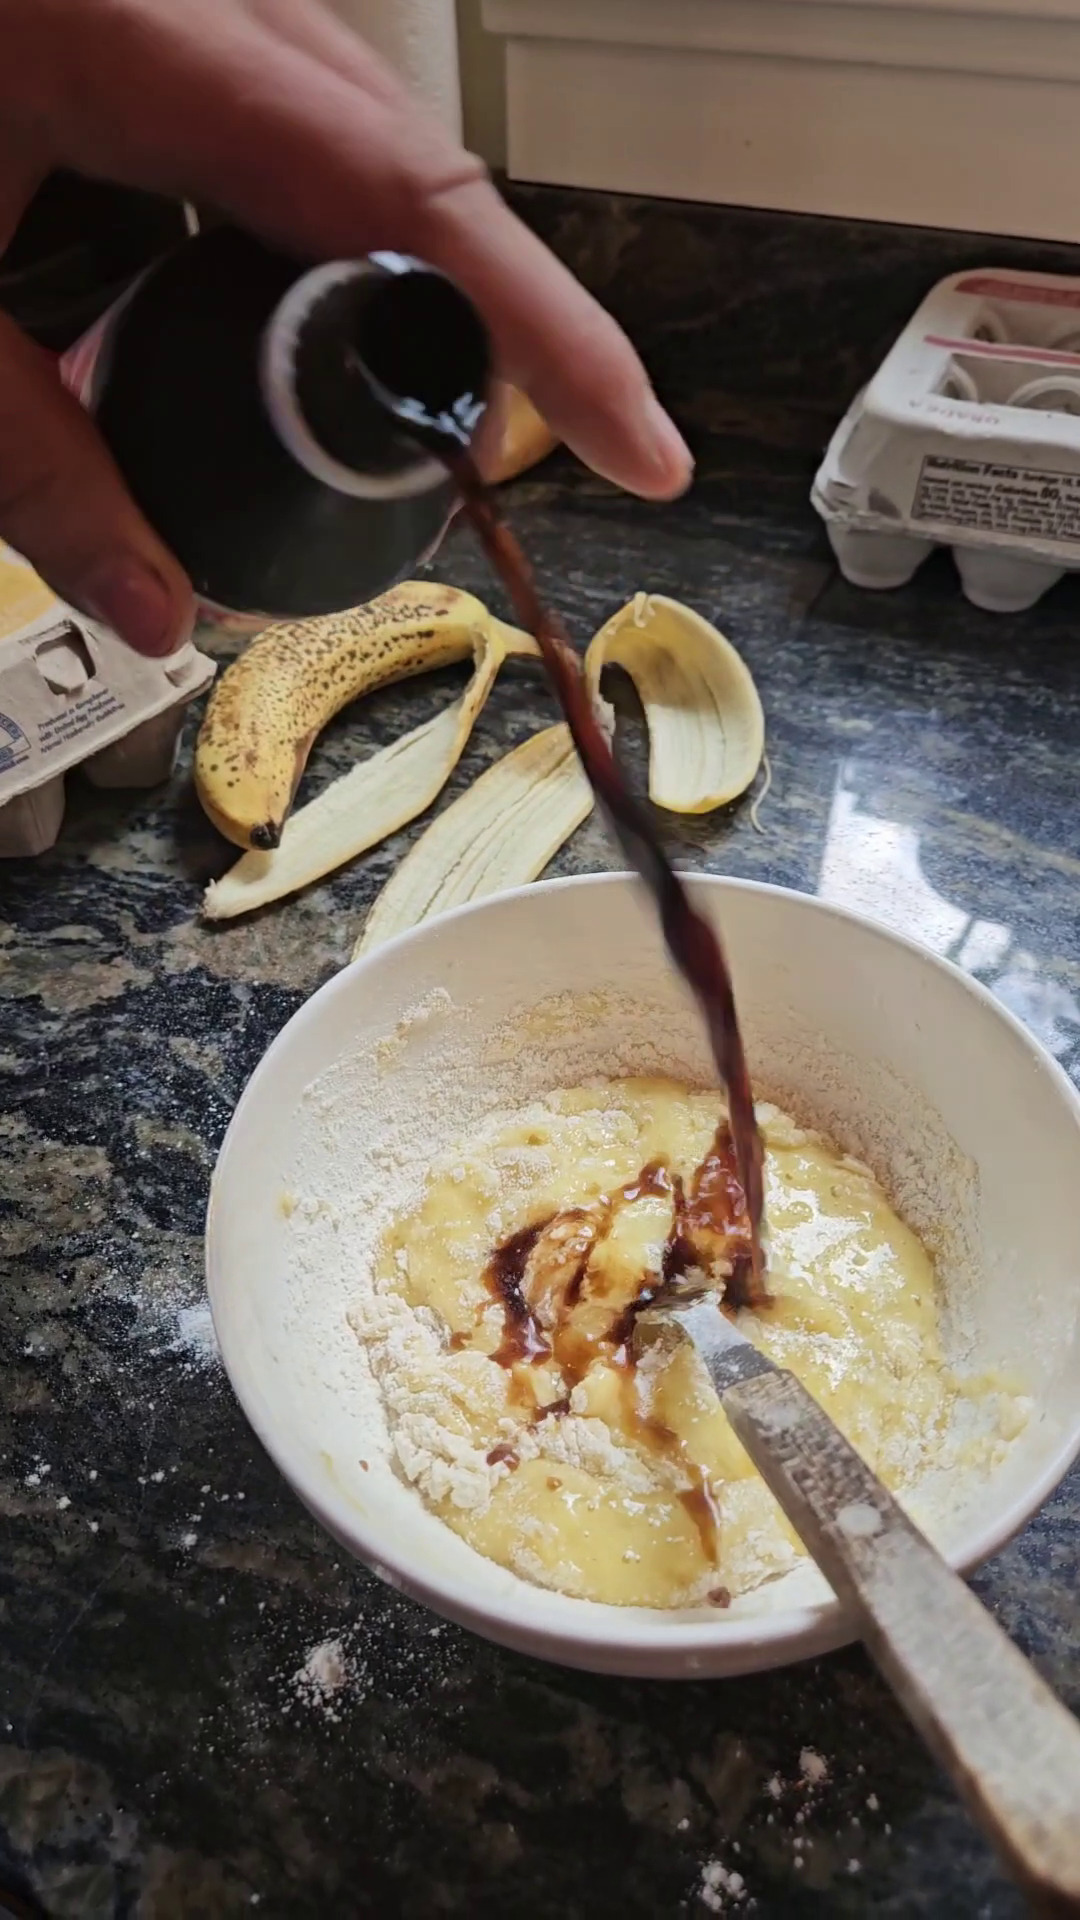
[1010, 1747]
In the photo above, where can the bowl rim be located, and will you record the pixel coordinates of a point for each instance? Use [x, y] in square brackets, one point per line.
[646, 1646]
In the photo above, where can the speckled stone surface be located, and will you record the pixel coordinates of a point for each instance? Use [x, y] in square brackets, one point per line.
[161, 1589]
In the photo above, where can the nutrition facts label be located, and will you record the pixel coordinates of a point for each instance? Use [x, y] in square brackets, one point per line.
[993, 498]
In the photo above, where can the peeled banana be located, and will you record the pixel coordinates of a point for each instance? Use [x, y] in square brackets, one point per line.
[268, 708]
[372, 800]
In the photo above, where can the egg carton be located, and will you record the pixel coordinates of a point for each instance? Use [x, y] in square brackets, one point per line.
[967, 437]
[72, 693]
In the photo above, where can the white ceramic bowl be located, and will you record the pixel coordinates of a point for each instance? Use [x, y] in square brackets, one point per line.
[898, 1054]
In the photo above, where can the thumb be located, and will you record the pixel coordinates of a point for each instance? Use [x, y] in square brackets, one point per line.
[64, 507]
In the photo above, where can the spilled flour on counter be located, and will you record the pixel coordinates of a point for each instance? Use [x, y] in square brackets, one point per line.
[195, 1338]
[812, 1767]
[323, 1674]
[721, 1887]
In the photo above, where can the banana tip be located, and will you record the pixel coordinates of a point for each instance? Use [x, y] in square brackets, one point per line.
[266, 836]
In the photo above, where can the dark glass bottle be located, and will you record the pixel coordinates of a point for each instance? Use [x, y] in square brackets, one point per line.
[256, 408]
[77, 246]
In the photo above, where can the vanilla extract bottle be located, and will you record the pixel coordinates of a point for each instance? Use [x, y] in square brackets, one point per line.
[269, 417]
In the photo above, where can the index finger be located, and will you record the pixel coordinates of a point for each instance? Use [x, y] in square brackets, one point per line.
[555, 340]
[333, 164]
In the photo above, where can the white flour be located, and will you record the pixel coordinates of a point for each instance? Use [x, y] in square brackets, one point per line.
[721, 1887]
[812, 1767]
[194, 1336]
[323, 1675]
[370, 1127]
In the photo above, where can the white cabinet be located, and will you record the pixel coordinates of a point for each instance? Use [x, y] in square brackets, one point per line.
[964, 114]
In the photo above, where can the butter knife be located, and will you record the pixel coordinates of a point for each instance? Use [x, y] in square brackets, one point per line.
[1010, 1747]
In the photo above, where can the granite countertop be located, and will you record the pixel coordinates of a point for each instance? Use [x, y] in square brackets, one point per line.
[164, 1748]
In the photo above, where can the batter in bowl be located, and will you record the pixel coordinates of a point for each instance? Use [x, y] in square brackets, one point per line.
[500, 1329]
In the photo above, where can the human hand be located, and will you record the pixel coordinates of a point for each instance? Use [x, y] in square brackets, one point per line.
[276, 113]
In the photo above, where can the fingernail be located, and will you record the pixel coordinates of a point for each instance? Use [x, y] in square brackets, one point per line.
[130, 597]
[669, 453]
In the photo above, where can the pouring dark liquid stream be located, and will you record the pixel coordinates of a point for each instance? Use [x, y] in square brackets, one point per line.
[691, 941]
[557, 1303]
[693, 945]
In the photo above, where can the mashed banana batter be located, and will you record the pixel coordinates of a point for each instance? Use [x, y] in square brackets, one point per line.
[501, 1330]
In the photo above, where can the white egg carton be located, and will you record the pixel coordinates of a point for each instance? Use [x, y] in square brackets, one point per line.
[968, 437]
[71, 693]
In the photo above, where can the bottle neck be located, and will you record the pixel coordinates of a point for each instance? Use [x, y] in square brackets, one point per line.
[369, 368]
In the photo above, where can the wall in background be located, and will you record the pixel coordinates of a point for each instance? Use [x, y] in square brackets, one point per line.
[947, 113]
[443, 50]
[483, 85]
[419, 38]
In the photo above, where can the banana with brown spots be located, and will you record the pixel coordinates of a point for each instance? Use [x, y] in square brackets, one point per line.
[270, 705]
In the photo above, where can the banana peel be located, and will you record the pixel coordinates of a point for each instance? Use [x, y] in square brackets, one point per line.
[706, 725]
[500, 833]
[706, 742]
